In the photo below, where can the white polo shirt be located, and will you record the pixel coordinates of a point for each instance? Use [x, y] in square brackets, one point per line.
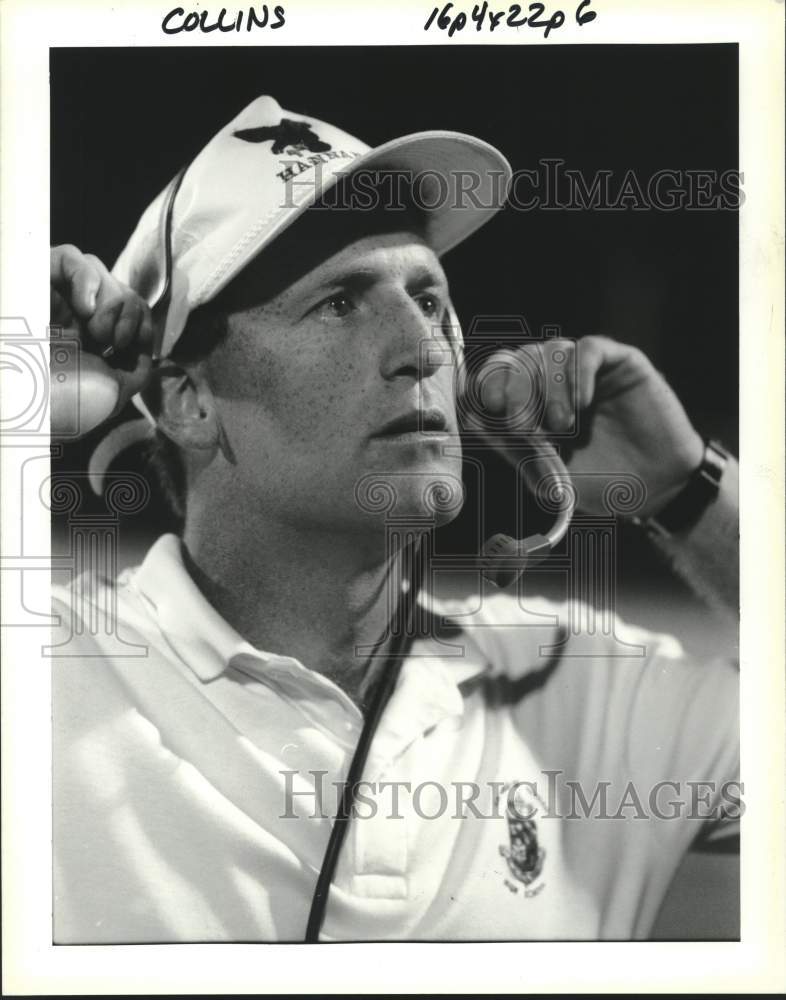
[526, 781]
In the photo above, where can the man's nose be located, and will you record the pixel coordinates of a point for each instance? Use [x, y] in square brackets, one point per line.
[412, 342]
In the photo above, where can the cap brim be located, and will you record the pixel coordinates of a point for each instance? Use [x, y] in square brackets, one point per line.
[460, 181]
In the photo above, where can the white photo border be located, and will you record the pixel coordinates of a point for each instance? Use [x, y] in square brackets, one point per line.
[32, 965]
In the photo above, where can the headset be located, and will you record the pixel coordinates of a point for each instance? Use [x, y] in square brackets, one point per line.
[502, 560]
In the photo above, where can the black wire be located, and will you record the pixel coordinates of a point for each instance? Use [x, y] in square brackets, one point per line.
[161, 304]
[403, 632]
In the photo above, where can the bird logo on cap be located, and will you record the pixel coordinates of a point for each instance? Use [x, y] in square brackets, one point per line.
[299, 136]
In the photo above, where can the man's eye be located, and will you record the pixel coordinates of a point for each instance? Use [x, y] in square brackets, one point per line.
[338, 305]
[430, 304]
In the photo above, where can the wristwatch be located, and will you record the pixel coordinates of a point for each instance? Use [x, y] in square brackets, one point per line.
[690, 503]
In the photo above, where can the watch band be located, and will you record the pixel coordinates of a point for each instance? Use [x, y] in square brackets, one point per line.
[690, 503]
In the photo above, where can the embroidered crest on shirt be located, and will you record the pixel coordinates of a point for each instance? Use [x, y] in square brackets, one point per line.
[523, 853]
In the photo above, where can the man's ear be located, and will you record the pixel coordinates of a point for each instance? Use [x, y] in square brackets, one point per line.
[186, 410]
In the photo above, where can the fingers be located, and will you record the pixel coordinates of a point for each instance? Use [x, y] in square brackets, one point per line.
[559, 385]
[114, 318]
[135, 380]
[60, 313]
[75, 278]
[494, 381]
[114, 341]
[546, 384]
[533, 386]
[595, 356]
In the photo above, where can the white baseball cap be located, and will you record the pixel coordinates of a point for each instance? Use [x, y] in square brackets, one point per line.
[255, 177]
[262, 170]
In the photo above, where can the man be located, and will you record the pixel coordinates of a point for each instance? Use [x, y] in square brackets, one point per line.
[297, 361]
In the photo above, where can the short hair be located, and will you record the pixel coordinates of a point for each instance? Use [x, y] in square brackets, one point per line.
[300, 248]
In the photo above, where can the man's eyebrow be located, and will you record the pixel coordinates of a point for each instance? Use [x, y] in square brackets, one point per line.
[426, 277]
[357, 278]
[362, 278]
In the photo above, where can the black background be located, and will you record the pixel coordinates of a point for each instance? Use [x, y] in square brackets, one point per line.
[125, 120]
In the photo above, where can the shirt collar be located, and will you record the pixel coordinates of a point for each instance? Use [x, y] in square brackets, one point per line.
[207, 643]
[190, 624]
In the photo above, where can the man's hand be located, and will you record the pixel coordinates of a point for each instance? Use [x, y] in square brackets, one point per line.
[630, 420]
[114, 328]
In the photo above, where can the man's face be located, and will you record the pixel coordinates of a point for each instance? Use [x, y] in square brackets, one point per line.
[330, 380]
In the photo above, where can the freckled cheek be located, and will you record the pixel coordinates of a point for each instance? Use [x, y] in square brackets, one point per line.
[304, 404]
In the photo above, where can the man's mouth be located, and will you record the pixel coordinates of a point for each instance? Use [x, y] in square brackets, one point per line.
[429, 421]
